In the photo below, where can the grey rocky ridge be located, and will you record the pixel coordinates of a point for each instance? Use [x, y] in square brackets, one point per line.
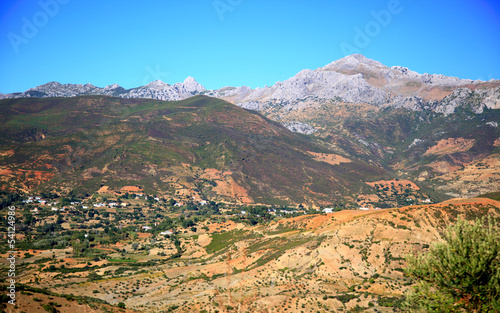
[154, 90]
[352, 79]
[357, 79]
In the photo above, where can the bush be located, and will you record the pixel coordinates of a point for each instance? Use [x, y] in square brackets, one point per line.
[345, 297]
[49, 308]
[461, 273]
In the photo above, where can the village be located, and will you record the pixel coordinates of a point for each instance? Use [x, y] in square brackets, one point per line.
[47, 222]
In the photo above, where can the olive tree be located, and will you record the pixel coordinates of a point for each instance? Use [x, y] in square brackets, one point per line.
[460, 274]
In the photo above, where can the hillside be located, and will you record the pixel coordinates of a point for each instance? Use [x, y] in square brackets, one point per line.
[347, 260]
[456, 154]
[199, 147]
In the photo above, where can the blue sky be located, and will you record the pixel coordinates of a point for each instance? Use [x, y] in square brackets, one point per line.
[238, 42]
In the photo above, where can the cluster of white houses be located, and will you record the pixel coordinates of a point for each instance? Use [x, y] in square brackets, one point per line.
[39, 200]
[331, 210]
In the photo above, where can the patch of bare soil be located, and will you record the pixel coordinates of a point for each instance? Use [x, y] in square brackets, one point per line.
[7, 153]
[204, 240]
[226, 185]
[144, 235]
[436, 93]
[131, 189]
[450, 145]
[332, 159]
[443, 167]
[5, 172]
[103, 189]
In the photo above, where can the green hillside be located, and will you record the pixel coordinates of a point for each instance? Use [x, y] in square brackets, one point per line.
[200, 146]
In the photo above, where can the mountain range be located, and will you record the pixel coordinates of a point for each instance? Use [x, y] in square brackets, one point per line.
[366, 132]
[354, 79]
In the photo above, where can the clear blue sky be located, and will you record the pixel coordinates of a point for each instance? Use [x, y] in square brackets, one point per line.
[238, 42]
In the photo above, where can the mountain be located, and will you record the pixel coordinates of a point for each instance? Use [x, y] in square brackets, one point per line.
[352, 79]
[200, 147]
[357, 79]
[434, 131]
[154, 90]
[163, 91]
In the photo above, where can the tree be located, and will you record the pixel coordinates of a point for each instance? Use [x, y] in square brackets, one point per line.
[135, 245]
[461, 274]
[93, 276]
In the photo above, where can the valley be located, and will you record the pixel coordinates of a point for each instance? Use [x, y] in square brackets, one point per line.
[304, 196]
[143, 254]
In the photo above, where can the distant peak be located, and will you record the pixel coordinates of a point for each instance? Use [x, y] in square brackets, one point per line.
[113, 86]
[357, 56]
[190, 80]
[191, 85]
[50, 84]
[157, 83]
[360, 58]
[353, 62]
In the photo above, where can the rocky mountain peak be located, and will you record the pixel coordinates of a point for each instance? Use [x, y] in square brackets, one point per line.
[157, 84]
[191, 85]
[48, 85]
[354, 62]
[190, 81]
[113, 86]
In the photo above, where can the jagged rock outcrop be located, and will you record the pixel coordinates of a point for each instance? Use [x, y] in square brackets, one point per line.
[154, 90]
[475, 100]
[299, 127]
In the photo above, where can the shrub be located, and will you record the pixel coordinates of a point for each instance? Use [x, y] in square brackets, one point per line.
[461, 273]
